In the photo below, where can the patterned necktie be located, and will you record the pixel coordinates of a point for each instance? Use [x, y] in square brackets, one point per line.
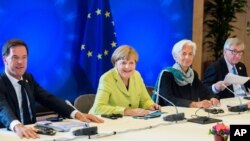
[26, 113]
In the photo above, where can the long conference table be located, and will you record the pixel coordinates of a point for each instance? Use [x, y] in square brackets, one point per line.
[129, 128]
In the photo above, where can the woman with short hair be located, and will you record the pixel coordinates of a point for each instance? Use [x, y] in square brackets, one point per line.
[121, 90]
[180, 83]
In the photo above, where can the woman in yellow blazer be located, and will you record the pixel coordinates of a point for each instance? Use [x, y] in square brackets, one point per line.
[121, 90]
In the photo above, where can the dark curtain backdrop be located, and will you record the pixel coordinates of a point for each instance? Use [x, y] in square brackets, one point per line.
[54, 29]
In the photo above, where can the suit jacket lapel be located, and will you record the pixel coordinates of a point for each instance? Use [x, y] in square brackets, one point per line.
[224, 67]
[12, 94]
[240, 70]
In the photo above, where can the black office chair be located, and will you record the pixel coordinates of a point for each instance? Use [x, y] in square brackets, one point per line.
[83, 103]
[150, 90]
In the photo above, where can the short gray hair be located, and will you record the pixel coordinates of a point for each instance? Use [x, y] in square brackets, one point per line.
[233, 41]
[179, 45]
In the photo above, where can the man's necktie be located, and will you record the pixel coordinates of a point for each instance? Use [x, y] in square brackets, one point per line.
[234, 70]
[239, 87]
[26, 113]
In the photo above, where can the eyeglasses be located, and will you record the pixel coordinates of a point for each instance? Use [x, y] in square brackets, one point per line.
[235, 52]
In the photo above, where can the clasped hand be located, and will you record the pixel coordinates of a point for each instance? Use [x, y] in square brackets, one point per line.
[140, 111]
[206, 103]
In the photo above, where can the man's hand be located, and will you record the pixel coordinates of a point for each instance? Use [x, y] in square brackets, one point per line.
[88, 118]
[220, 85]
[25, 132]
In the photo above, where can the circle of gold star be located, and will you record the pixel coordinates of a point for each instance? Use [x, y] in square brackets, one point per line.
[89, 16]
[113, 44]
[89, 54]
[99, 56]
[106, 52]
[98, 11]
[107, 14]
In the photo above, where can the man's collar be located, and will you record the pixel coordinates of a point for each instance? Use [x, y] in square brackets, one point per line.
[12, 79]
[229, 66]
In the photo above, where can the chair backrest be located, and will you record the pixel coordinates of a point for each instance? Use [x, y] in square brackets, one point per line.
[150, 90]
[83, 103]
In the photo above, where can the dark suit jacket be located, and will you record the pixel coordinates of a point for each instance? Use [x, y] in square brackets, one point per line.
[217, 71]
[9, 109]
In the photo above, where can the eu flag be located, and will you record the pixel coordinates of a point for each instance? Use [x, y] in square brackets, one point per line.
[99, 42]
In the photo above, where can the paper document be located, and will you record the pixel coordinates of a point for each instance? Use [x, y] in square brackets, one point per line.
[64, 126]
[235, 79]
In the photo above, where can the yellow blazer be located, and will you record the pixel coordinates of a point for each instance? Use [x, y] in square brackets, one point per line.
[113, 97]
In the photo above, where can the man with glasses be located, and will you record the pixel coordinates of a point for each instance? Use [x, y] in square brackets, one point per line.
[230, 62]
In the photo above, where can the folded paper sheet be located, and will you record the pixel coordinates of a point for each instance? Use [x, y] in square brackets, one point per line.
[235, 79]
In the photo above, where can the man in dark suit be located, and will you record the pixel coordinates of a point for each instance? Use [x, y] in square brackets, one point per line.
[230, 62]
[19, 91]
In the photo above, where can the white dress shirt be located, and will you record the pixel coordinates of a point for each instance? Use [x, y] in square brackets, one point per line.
[17, 88]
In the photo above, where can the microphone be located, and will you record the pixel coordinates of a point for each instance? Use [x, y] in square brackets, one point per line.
[69, 103]
[174, 117]
[238, 108]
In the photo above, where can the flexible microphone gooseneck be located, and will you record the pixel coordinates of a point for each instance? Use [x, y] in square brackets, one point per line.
[158, 87]
[238, 108]
[69, 103]
[174, 117]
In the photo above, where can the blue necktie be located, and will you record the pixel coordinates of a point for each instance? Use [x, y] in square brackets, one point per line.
[26, 113]
[242, 86]
[234, 70]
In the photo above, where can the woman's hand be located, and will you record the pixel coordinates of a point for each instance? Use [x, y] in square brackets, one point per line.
[248, 104]
[135, 112]
[155, 107]
[201, 104]
[215, 102]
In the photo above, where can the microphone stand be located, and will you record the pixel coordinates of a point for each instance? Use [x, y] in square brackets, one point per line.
[174, 117]
[237, 108]
[68, 103]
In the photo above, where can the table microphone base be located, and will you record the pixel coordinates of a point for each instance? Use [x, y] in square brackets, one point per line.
[204, 120]
[174, 117]
[238, 108]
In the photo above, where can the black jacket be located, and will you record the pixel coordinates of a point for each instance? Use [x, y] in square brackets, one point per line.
[217, 72]
[9, 109]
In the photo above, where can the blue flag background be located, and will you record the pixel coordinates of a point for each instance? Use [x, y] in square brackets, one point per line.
[98, 43]
[56, 30]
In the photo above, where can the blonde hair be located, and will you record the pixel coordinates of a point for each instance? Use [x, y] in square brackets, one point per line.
[123, 52]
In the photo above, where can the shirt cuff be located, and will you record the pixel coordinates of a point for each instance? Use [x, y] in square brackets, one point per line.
[73, 114]
[214, 89]
[13, 124]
